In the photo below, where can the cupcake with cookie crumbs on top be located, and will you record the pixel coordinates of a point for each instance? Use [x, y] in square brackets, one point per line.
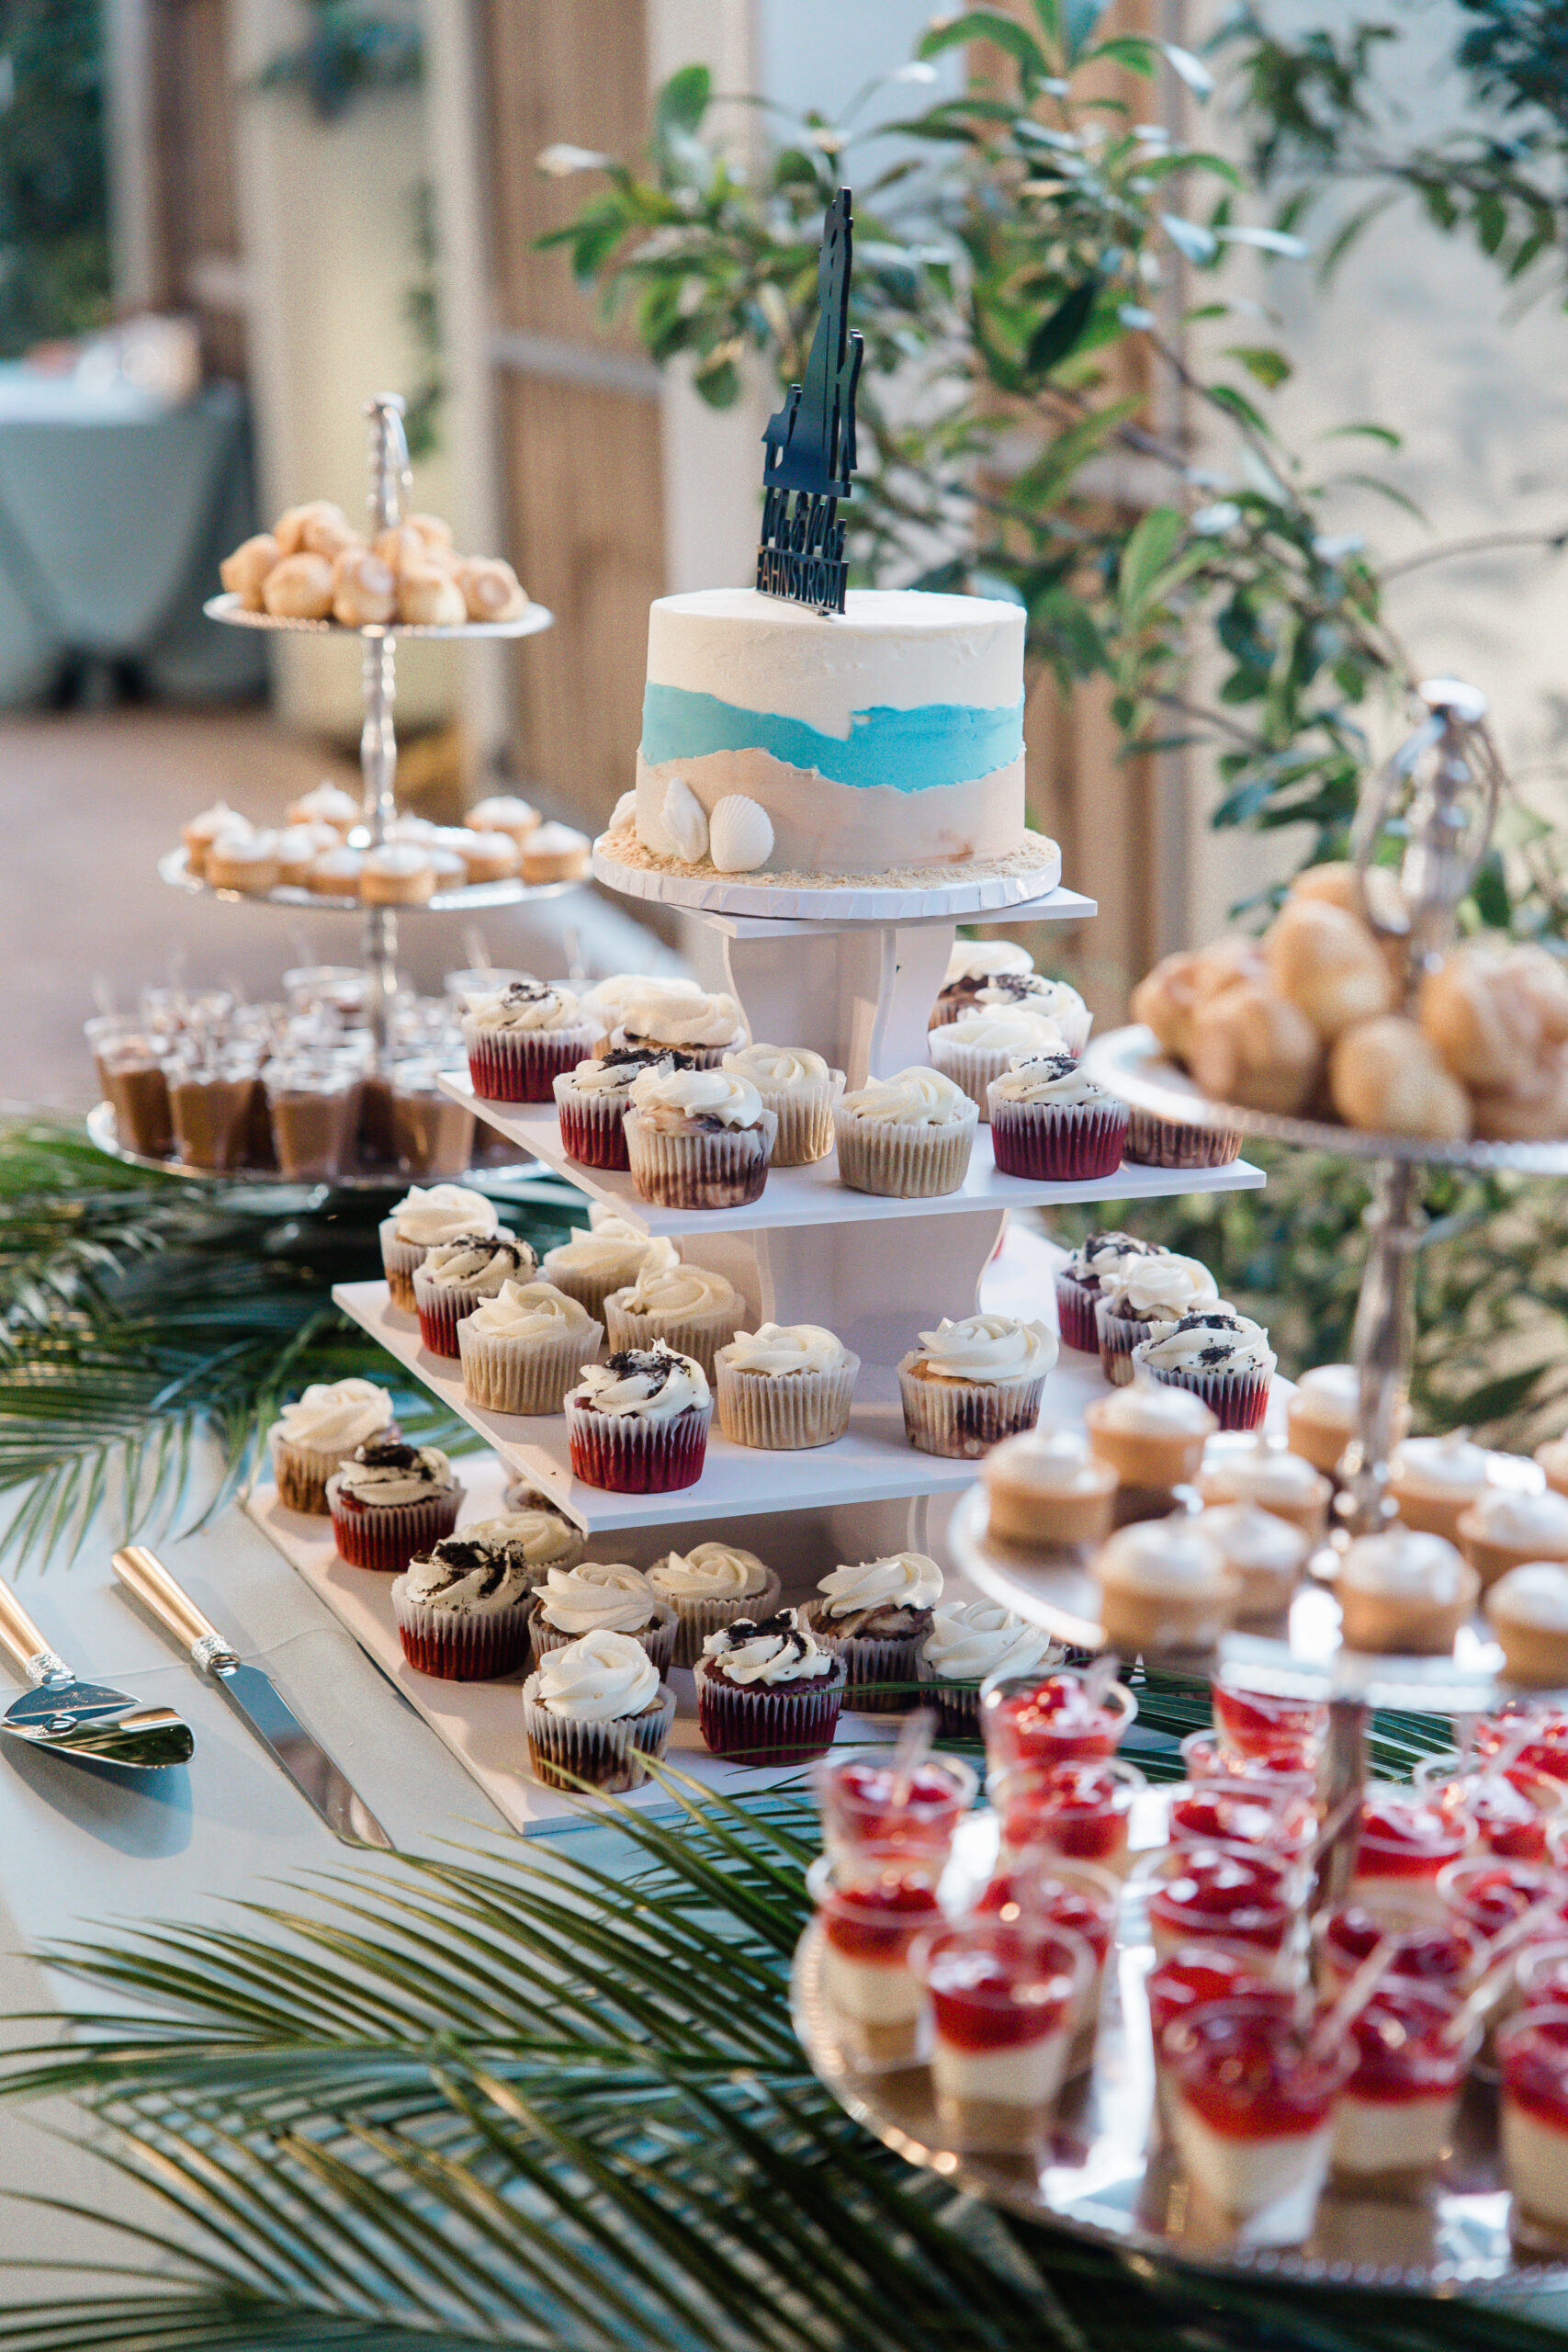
[462, 1611]
[637, 1423]
[768, 1690]
[520, 1038]
[978, 1047]
[1223, 1357]
[390, 1500]
[456, 1276]
[590, 1101]
[1052, 1124]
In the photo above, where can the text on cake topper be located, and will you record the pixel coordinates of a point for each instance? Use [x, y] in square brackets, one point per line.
[810, 443]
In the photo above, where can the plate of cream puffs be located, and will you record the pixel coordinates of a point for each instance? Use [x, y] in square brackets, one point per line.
[313, 570]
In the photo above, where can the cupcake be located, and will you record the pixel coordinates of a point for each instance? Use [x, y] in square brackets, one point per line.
[320, 1430]
[698, 1139]
[979, 1046]
[1179, 1143]
[1435, 1480]
[708, 1587]
[454, 1277]
[520, 1038]
[1267, 1554]
[390, 1500]
[1504, 1529]
[608, 998]
[1405, 1590]
[606, 1254]
[1324, 1415]
[972, 965]
[1051, 1123]
[1268, 1475]
[692, 1310]
[1137, 1293]
[785, 1386]
[590, 1102]
[462, 1611]
[534, 1536]
[1046, 1491]
[422, 1218]
[1152, 1437]
[1220, 1356]
[1527, 1609]
[875, 1616]
[593, 1711]
[704, 1027]
[639, 1422]
[767, 1691]
[969, 1640]
[1078, 1282]
[1163, 1587]
[524, 1349]
[600, 1597]
[907, 1137]
[800, 1090]
[973, 1382]
[1050, 1001]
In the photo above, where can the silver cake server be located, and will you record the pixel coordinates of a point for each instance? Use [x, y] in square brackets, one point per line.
[85, 1719]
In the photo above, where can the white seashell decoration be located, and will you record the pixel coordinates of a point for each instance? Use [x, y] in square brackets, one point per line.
[740, 834]
[684, 818]
[623, 816]
[650, 832]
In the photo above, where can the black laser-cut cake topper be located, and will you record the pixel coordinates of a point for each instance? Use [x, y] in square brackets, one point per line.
[810, 443]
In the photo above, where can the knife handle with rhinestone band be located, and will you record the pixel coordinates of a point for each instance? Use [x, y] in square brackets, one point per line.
[253, 1697]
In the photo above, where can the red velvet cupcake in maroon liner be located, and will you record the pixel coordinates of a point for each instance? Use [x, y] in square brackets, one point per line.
[390, 1501]
[455, 1277]
[462, 1609]
[767, 1691]
[875, 1617]
[639, 1422]
[590, 1101]
[1220, 1356]
[1051, 1123]
[1137, 1293]
[523, 1036]
[1077, 1285]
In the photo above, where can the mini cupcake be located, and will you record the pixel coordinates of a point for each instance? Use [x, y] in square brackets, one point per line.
[1504, 1529]
[800, 1090]
[320, 1430]
[1137, 1293]
[639, 1422]
[457, 1276]
[1051, 1123]
[422, 1218]
[1046, 1489]
[698, 1139]
[1077, 1283]
[593, 1712]
[875, 1617]
[708, 1587]
[590, 1102]
[785, 1386]
[462, 1611]
[1164, 1587]
[524, 1349]
[533, 1537]
[1527, 1609]
[606, 1254]
[907, 1138]
[767, 1691]
[980, 1045]
[391, 1500]
[971, 1383]
[1179, 1143]
[1220, 1356]
[1152, 1437]
[520, 1038]
[1435, 1480]
[1403, 1591]
[599, 1596]
[1268, 1475]
[1052, 1000]
[703, 1027]
[692, 1310]
[972, 963]
[1324, 1415]
[1267, 1554]
[969, 1640]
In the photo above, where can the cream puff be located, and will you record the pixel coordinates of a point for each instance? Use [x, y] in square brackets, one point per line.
[316, 529]
[1495, 1010]
[429, 597]
[492, 590]
[1552, 1457]
[1329, 964]
[1385, 1076]
[244, 572]
[299, 588]
[1251, 1045]
[365, 589]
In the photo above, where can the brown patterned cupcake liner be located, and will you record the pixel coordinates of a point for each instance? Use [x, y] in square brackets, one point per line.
[300, 1472]
[1171, 1143]
[804, 1114]
[699, 1614]
[564, 1750]
[399, 1261]
[701, 1168]
[766, 1724]
[961, 1418]
[878, 1671]
[1116, 1336]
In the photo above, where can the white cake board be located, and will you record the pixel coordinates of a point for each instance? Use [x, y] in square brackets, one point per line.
[1030, 896]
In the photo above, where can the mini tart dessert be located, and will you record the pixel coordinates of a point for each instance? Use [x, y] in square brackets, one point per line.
[1050, 1001]
[1005, 2003]
[1164, 1586]
[1136, 1292]
[1503, 1529]
[522, 1349]
[874, 1908]
[768, 1690]
[593, 1712]
[1046, 1490]
[875, 1617]
[553, 852]
[462, 1611]
[710, 1586]
[492, 857]
[504, 812]
[520, 1039]
[298, 847]
[698, 1138]
[456, 1276]
[973, 1382]
[907, 1137]
[1152, 1437]
[704, 1027]
[1219, 1355]
[423, 1218]
[607, 1253]
[968, 1641]
[1528, 1611]
[639, 1422]
[390, 1500]
[1322, 1415]
[689, 1308]
[590, 1101]
[336, 872]
[594, 1597]
[1270, 1477]
[1051, 1123]
[199, 834]
[979, 1046]
[320, 1430]
[243, 861]
[1265, 1553]
[326, 804]
[972, 965]
[800, 1090]
[1077, 1283]
[1251, 2103]
[397, 874]
[1435, 1479]
[1553, 1459]
[785, 1386]
[1405, 1590]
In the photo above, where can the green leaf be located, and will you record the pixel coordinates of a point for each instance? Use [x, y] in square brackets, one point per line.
[1146, 555]
[1271, 367]
[1129, 50]
[1062, 330]
[987, 24]
[683, 101]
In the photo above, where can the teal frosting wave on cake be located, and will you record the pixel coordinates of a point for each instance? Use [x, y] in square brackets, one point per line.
[914, 751]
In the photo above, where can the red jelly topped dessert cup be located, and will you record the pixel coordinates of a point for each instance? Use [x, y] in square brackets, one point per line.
[872, 1909]
[864, 1801]
[1053, 1718]
[767, 1691]
[1259, 1724]
[1532, 1736]
[1195, 1974]
[1040, 1889]
[1207, 1757]
[1509, 1810]
[1446, 1955]
[1080, 1810]
[1396, 2116]
[637, 1423]
[1228, 1894]
[1004, 2002]
[1489, 1895]
[1541, 1974]
[1219, 1811]
[1251, 2101]
[1532, 2055]
[1402, 1845]
[520, 1037]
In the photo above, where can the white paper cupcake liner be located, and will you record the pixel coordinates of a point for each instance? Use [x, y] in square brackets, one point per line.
[970, 1067]
[399, 1259]
[804, 1114]
[880, 1675]
[702, 1167]
[698, 1615]
[962, 1418]
[903, 1162]
[506, 1375]
[957, 1704]
[1118, 1336]
[301, 1471]
[657, 1637]
[785, 1412]
[700, 1335]
[589, 1289]
[564, 1750]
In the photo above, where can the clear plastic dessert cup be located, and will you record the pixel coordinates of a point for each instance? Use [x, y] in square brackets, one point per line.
[1532, 2058]
[1003, 1998]
[1080, 1810]
[1042, 1889]
[864, 1803]
[1227, 1895]
[873, 1910]
[1541, 1974]
[1221, 1810]
[1491, 1895]
[1394, 2118]
[1195, 1974]
[1251, 2106]
[1448, 1955]
[1402, 1845]
[1207, 1756]
[1259, 1725]
[1534, 1736]
[1508, 1811]
[1051, 1718]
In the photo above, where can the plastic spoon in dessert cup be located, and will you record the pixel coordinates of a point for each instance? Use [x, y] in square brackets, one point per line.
[1333, 2027]
[84, 1720]
[1502, 1961]
[915, 1739]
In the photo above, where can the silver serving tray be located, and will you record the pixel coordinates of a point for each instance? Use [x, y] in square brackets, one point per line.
[472, 897]
[103, 1133]
[230, 610]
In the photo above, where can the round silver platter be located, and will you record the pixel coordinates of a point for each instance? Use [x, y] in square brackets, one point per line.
[234, 614]
[473, 899]
[1134, 1065]
[102, 1132]
[1109, 2177]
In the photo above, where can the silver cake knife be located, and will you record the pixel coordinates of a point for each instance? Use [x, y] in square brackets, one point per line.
[254, 1699]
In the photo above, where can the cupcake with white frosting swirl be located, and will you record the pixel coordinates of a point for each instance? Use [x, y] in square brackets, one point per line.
[534, 1536]
[768, 1690]
[785, 1386]
[979, 1045]
[462, 1609]
[800, 1088]
[320, 1428]
[390, 1500]
[973, 1381]
[1507, 1527]
[593, 1711]
[1018, 991]
[637, 1423]
[520, 1038]
[456, 1276]
[710, 1586]
[522, 1349]
[425, 1216]
[1051, 1122]
[702, 1027]
[969, 1640]
[1220, 1356]
[874, 1615]
[605, 1254]
[598, 1597]
[907, 1137]
[1078, 1282]
[692, 1310]
[590, 1101]
[698, 1138]
[1137, 1293]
